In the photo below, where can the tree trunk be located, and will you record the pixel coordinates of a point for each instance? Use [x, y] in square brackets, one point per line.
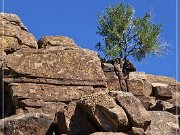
[118, 67]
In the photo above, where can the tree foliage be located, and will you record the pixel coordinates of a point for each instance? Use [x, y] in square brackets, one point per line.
[127, 35]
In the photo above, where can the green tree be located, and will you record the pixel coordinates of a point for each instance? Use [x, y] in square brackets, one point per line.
[126, 35]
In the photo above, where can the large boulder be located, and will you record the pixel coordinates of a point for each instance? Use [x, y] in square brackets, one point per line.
[162, 123]
[28, 124]
[62, 67]
[14, 34]
[104, 112]
[136, 112]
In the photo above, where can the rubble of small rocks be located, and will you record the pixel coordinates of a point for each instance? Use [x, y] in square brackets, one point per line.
[55, 87]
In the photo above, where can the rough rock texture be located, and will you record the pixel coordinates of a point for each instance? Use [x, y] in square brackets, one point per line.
[162, 123]
[162, 90]
[49, 93]
[14, 34]
[161, 79]
[137, 114]
[139, 87]
[68, 67]
[28, 124]
[104, 112]
[112, 78]
[137, 131]
[46, 83]
[108, 133]
[61, 41]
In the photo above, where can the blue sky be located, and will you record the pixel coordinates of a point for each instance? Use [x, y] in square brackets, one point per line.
[78, 20]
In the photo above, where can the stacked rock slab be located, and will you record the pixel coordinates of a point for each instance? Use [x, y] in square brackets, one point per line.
[53, 78]
[13, 36]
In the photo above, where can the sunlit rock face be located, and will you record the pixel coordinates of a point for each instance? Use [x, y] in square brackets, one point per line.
[56, 87]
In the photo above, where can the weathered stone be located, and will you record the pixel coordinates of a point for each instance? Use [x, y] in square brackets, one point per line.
[139, 87]
[27, 124]
[9, 44]
[162, 90]
[147, 101]
[137, 76]
[108, 133]
[137, 131]
[161, 79]
[31, 103]
[49, 108]
[104, 112]
[112, 81]
[107, 67]
[137, 114]
[175, 101]
[61, 41]
[161, 106]
[47, 92]
[162, 123]
[76, 67]
[14, 34]
[73, 121]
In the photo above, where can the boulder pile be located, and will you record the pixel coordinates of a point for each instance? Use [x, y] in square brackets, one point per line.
[55, 87]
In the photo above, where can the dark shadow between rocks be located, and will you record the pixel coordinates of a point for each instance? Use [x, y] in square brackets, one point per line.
[81, 124]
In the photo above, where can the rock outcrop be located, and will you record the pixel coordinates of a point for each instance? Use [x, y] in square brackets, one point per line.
[14, 34]
[55, 87]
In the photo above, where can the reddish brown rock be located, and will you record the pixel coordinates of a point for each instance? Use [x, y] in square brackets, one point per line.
[49, 93]
[104, 112]
[49, 108]
[109, 133]
[161, 79]
[14, 35]
[162, 123]
[161, 106]
[162, 90]
[107, 67]
[136, 112]
[26, 124]
[52, 41]
[139, 87]
[112, 81]
[65, 67]
[137, 131]
[112, 78]
[147, 101]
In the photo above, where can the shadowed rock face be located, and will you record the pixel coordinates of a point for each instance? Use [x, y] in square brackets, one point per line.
[138, 115]
[14, 34]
